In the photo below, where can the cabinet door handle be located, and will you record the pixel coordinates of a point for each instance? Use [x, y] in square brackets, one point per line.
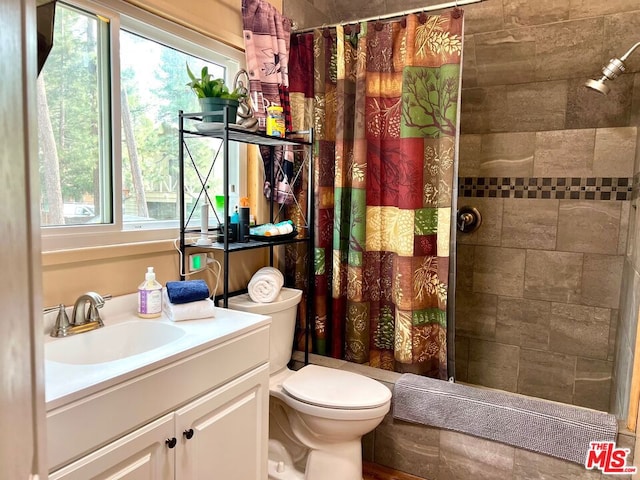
[188, 434]
[171, 442]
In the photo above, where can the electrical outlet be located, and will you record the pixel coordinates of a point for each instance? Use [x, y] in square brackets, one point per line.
[197, 262]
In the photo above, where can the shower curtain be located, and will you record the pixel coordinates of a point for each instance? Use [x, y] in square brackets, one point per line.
[266, 37]
[383, 100]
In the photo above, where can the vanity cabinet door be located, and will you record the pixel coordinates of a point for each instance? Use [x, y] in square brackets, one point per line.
[140, 455]
[223, 434]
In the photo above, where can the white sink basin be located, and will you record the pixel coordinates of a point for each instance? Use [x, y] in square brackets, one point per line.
[112, 342]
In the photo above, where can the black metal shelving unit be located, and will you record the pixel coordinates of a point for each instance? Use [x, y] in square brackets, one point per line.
[227, 133]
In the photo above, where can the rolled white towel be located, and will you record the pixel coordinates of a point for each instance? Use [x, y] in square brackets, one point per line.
[265, 285]
[188, 311]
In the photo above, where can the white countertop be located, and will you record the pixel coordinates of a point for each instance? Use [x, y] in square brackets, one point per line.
[65, 383]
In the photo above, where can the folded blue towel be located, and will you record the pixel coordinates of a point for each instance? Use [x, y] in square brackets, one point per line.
[187, 291]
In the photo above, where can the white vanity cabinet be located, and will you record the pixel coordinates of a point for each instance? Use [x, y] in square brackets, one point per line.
[216, 436]
[141, 455]
[220, 434]
[201, 416]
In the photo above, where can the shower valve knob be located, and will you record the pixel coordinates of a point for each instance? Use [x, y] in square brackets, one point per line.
[469, 219]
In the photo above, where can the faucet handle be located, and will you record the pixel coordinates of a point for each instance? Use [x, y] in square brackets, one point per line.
[46, 310]
[93, 315]
[62, 325]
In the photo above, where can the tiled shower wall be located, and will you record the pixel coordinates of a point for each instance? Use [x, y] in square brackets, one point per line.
[539, 285]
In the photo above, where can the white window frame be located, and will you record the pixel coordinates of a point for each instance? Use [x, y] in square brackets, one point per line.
[135, 20]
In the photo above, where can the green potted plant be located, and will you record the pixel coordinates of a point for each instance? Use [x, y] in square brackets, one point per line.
[213, 95]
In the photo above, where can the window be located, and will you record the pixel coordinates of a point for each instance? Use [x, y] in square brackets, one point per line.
[108, 102]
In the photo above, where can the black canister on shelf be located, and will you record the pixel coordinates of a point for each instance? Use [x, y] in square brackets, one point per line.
[243, 224]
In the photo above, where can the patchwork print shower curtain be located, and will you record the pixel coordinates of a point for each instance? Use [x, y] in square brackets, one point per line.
[383, 100]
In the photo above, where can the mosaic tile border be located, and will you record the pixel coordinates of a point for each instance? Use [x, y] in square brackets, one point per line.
[555, 188]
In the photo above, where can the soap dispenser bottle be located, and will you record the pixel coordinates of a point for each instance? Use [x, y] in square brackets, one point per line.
[149, 296]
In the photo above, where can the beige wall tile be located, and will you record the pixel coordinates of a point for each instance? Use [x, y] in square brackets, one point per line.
[591, 8]
[536, 106]
[625, 339]
[635, 109]
[407, 447]
[625, 217]
[566, 49]
[626, 439]
[588, 109]
[493, 364]
[462, 358]
[464, 270]
[489, 232]
[499, 271]
[523, 322]
[305, 14]
[636, 165]
[485, 16]
[483, 110]
[623, 369]
[476, 315]
[580, 330]
[469, 64]
[467, 457]
[507, 154]
[534, 466]
[615, 151]
[620, 34]
[546, 375]
[553, 276]
[629, 305]
[613, 329]
[593, 383]
[505, 56]
[601, 280]
[345, 11]
[564, 153]
[523, 12]
[530, 223]
[589, 226]
[470, 155]
[633, 244]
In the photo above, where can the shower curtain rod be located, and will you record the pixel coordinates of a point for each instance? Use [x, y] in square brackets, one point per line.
[430, 8]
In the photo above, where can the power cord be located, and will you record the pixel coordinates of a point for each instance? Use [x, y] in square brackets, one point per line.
[212, 266]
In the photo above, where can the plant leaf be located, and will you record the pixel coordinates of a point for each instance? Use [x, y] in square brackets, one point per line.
[191, 75]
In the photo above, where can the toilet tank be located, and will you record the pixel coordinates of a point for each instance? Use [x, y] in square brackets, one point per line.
[283, 322]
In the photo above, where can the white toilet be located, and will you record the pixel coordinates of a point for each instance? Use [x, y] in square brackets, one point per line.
[317, 415]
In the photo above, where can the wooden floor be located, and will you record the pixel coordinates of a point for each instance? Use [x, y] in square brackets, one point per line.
[372, 471]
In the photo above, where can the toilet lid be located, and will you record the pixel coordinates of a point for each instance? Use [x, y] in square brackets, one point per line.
[332, 388]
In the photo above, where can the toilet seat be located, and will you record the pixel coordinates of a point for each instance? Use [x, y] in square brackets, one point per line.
[335, 389]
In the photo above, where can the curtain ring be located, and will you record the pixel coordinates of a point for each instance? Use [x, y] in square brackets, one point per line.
[325, 32]
[456, 13]
[403, 22]
[422, 18]
[347, 29]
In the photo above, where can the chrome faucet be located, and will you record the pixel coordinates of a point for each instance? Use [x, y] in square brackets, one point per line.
[83, 318]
